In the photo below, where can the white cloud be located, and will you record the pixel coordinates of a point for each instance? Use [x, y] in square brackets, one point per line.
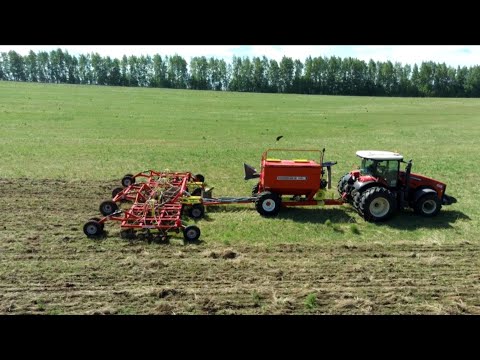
[452, 55]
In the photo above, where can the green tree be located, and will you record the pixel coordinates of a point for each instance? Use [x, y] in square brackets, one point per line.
[71, 65]
[273, 77]
[31, 67]
[17, 66]
[286, 74]
[84, 69]
[199, 74]
[43, 60]
[259, 81]
[177, 72]
[159, 72]
[472, 82]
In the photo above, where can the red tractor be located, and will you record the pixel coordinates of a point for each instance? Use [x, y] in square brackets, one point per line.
[379, 188]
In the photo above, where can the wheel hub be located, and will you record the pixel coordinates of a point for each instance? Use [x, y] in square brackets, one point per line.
[379, 207]
[268, 205]
[429, 206]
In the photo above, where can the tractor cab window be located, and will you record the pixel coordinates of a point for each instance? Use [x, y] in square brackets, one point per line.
[369, 167]
[386, 169]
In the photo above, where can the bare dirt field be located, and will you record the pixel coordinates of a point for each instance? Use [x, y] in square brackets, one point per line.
[48, 266]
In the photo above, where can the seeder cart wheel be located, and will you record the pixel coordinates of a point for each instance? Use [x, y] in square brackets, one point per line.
[197, 192]
[128, 180]
[191, 233]
[255, 189]
[268, 204]
[108, 207]
[196, 211]
[92, 229]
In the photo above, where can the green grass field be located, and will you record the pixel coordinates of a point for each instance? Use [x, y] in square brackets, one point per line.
[64, 148]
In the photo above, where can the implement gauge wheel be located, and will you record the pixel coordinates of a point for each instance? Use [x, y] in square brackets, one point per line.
[116, 191]
[108, 207]
[97, 220]
[191, 233]
[128, 180]
[93, 229]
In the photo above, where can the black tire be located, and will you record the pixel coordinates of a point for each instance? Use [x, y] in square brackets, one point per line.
[108, 207]
[199, 178]
[197, 192]
[128, 180]
[268, 204]
[92, 229]
[116, 191]
[196, 211]
[377, 204]
[191, 233]
[255, 189]
[356, 197]
[97, 220]
[128, 234]
[342, 182]
[428, 205]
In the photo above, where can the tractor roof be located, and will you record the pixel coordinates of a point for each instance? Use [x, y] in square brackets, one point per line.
[379, 155]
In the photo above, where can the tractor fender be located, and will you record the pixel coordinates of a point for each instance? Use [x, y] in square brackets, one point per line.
[420, 192]
[362, 186]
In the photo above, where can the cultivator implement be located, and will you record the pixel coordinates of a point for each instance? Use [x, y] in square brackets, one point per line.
[157, 200]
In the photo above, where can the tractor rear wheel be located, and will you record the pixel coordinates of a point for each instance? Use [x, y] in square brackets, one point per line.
[108, 207]
[268, 204]
[377, 204]
[342, 182]
[356, 196]
[428, 205]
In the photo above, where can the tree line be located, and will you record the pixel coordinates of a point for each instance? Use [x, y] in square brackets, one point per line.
[316, 75]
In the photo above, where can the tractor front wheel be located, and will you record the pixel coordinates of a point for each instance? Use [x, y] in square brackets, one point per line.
[428, 205]
[377, 204]
[268, 204]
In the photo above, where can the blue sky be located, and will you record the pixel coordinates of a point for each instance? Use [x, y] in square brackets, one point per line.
[452, 55]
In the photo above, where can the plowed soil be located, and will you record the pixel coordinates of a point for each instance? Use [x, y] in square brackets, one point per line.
[48, 266]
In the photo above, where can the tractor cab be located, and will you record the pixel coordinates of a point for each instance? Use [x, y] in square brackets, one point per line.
[380, 166]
